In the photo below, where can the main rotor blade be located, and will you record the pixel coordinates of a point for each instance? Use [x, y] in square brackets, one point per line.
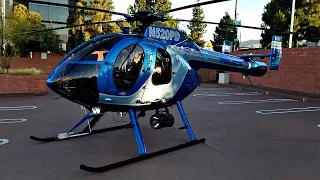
[65, 27]
[79, 7]
[241, 26]
[190, 6]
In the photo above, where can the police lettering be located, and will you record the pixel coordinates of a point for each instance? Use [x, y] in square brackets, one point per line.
[164, 34]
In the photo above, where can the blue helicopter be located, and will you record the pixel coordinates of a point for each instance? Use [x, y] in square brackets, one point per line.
[152, 68]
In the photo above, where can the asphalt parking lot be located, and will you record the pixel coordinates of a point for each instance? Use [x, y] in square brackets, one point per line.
[249, 135]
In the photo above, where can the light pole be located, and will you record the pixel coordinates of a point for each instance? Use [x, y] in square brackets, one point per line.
[234, 30]
[3, 18]
[292, 20]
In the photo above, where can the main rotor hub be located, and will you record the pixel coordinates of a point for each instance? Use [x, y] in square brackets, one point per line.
[144, 13]
[147, 17]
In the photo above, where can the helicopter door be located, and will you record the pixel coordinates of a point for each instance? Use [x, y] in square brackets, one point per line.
[127, 68]
[160, 78]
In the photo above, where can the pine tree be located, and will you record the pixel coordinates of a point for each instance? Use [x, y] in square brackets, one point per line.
[197, 29]
[84, 33]
[224, 32]
[155, 6]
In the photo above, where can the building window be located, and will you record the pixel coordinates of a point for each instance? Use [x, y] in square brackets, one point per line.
[62, 14]
[44, 11]
[33, 7]
[8, 7]
[128, 66]
[50, 13]
[62, 1]
[53, 13]
[162, 69]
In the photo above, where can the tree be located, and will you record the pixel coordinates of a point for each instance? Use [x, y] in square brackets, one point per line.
[197, 29]
[224, 32]
[21, 20]
[80, 16]
[277, 15]
[155, 6]
[310, 22]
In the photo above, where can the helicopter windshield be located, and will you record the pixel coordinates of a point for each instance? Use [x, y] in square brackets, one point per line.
[96, 51]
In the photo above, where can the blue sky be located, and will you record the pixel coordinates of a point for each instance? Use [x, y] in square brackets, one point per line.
[249, 12]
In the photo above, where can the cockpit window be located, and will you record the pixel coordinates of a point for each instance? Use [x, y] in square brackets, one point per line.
[162, 69]
[96, 51]
[127, 67]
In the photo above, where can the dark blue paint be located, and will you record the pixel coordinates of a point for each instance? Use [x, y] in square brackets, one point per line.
[189, 84]
[255, 55]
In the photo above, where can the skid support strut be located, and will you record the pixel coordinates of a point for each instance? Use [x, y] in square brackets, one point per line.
[141, 146]
[86, 131]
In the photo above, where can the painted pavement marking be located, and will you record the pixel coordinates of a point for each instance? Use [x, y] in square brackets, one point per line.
[230, 94]
[3, 141]
[17, 120]
[17, 108]
[9, 121]
[212, 89]
[257, 101]
[289, 110]
[207, 89]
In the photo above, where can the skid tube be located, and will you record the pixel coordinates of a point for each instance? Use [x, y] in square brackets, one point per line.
[141, 146]
[86, 131]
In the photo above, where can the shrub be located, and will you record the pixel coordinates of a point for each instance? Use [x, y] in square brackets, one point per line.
[5, 62]
[30, 71]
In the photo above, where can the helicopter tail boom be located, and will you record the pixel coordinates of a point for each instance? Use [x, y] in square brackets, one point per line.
[209, 59]
[198, 57]
[274, 56]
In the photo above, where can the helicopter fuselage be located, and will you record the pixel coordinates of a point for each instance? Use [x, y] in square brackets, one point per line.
[121, 72]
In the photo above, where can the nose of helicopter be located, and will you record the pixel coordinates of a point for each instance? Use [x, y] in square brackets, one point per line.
[76, 82]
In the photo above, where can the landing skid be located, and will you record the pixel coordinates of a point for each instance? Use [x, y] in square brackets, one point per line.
[140, 158]
[141, 146]
[68, 136]
[86, 131]
[137, 133]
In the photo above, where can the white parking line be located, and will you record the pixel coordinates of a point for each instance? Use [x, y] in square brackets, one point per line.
[289, 110]
[230, 94]
[209, 86]
[207, 89]
[17, 108]
[3, 141]
[8, 121]
[257, 101]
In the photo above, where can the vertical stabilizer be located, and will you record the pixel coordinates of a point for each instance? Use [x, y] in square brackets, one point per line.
[276, 51]
[226, 47]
